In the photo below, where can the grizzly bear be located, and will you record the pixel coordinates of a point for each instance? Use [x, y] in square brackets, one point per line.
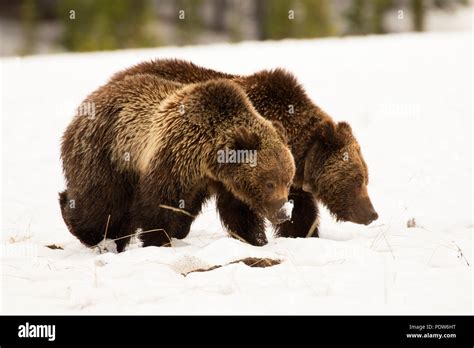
[153, 151]
[330, 167]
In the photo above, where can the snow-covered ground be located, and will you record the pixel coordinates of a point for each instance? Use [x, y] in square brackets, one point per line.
[408, 98]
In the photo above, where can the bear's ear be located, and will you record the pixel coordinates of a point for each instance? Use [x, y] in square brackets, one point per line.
[244, 139]
[332, 136]
[327, 133]
[344, 127]
[344, 133]
[281, 131]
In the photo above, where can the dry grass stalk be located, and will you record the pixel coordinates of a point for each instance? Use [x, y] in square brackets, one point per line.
[312, 228]
[179, 210]
[236, 236]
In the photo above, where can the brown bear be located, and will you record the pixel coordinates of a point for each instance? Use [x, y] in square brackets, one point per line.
[330, 167]
[153, 151]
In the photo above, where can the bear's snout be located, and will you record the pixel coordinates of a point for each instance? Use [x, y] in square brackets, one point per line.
[277, 212]
[370, 217]
[364, 212]
[373, 216]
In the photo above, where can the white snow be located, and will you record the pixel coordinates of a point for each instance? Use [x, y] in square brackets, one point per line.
[287, 209]
[408, 99]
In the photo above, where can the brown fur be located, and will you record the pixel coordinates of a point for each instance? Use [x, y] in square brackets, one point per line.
[139, 152]
[319, 145]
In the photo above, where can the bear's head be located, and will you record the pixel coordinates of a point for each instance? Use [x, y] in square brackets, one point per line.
[336, 173]
[258, 168]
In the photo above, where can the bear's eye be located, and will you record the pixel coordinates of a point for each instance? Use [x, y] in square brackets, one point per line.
[270, 185]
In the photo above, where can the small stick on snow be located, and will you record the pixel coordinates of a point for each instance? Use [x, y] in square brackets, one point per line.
[106, 227]
[105, 237]
[142, 232]
[457, 248]
[169, 239]
[389, 246]
[136, 234]
[461, 254]
[236, 236]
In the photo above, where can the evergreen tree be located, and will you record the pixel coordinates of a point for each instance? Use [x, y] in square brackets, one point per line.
[28, 13]
[276, 23]
[379, 9]
[294, 18]
[356, 17]
[106, 24]
[418, 11]
[219, 8]
[188, 20]
[317, 19]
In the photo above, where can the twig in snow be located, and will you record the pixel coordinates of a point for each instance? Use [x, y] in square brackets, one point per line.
[15, 276]
[337, 261]
[377, 237]
[142, 232]
[106, 227]
[461, 255]
[179, 210]
[458, 249]
[312, 228]
[389, 246]
[137, 234]
[236, 236]
[105, 236]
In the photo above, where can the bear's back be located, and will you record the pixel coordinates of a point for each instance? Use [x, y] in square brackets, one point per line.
[174, 70]
[113, 121]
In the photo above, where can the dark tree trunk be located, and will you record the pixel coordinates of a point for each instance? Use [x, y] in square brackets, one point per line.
[219, 15]
[418, 9]
[260, 19]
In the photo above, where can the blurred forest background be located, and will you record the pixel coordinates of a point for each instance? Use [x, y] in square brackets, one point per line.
[47, 26]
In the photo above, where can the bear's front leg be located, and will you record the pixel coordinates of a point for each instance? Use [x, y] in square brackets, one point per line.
[162, 214]
[155, 228]
[240, 220]
[159, 223]
[305, 213]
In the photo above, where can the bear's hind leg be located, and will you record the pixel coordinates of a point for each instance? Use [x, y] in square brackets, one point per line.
[91, 219]
[160, 225]
[240, 220]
